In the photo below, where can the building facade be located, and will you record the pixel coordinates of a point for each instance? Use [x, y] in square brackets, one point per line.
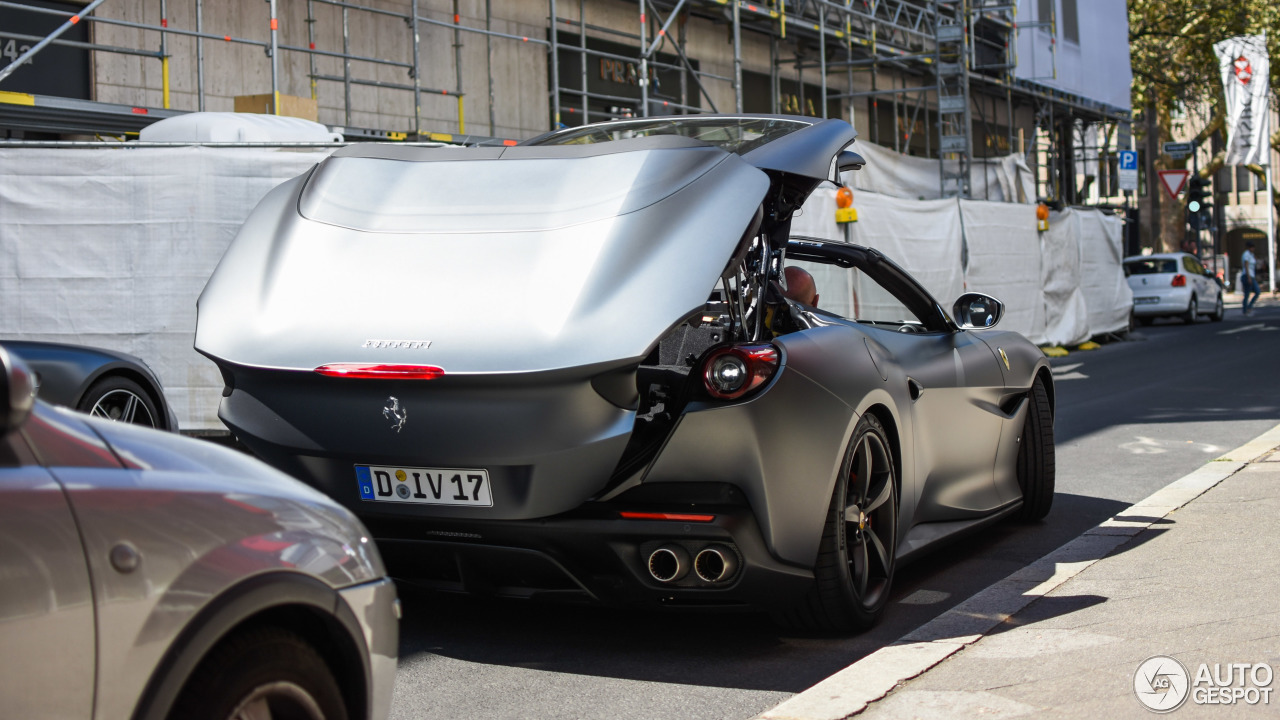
[961, 81]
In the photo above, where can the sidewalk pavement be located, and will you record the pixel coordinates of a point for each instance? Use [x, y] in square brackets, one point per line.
[1192, 572]
[1233, 300]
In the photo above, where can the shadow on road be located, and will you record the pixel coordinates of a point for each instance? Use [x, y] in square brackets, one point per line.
[730, 649]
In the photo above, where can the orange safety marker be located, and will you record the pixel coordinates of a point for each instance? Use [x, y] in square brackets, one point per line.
[275, 24]
[509, 143]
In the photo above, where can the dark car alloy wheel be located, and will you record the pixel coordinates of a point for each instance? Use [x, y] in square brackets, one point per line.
[1037, 463]
[119, 398]
[856, 556]
[261, 673]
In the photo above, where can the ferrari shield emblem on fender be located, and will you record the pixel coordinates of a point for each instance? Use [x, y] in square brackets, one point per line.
[398, 415]
[1003, 357]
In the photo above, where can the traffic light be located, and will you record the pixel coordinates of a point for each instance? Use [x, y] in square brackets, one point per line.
[1197, 203]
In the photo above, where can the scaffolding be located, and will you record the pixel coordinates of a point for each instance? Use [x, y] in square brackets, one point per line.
[948, 66]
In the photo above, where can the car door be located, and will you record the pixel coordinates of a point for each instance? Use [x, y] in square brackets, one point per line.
[47, 632]
[955, 385]
[1198, 283]
[953, 378]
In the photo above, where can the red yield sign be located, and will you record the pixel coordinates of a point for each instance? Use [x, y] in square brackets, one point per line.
[1173, 181]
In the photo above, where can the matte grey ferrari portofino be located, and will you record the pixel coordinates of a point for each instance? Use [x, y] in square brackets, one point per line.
[571, 368]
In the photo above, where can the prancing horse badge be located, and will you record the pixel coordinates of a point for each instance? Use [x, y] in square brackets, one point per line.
[396, 414]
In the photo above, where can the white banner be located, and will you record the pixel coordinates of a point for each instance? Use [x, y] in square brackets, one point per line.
[1245, 81]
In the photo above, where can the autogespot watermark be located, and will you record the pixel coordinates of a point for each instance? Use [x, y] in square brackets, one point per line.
[1163, 684]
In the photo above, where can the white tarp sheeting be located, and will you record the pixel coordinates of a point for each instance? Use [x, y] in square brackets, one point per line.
[923, 236]
[111, 248]
[1106, 290]
[1002, 179]
[237, 127]
[1066, 313]
[1004, 262]
[1059, 287]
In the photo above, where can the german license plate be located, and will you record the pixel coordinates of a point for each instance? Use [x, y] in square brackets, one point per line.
[1146, 300]
[424, 486]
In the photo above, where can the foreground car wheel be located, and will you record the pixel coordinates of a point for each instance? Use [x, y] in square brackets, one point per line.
[856, 556]
[1036, 460]
[119, 398]
[261, 673]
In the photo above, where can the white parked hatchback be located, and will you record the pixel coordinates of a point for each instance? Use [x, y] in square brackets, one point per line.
[1172, 285]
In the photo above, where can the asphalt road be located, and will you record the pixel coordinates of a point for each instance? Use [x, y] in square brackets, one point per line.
[1132, 416]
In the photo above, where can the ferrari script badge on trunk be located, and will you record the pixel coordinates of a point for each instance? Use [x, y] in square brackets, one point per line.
[396, 414]
[407, 344]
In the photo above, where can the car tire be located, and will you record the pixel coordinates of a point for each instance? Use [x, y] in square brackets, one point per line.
[1036, 467]
[119, 398]
[259, 668]
[855, 565]
[1145, 320]
[1219, 310]
[1193, 309]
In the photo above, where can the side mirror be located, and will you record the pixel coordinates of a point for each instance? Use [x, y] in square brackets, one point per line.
[17, 392]
[849, 160]
[975, 311]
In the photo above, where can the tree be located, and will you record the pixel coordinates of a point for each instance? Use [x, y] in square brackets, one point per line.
[1175, 68]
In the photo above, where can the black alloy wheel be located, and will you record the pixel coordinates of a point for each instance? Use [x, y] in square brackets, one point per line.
[121, 399]
[855, 564]
[870, 519]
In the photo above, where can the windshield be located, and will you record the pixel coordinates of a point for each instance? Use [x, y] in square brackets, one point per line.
[735, 135]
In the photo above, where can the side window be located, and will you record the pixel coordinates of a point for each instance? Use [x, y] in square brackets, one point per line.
[856, 296]
[1189, 264]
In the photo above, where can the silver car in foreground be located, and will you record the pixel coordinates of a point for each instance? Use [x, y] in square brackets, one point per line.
[144, 575]
[1173, 285]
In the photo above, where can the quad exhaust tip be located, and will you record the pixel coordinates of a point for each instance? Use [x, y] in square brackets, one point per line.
[669, 563]
[715, 563]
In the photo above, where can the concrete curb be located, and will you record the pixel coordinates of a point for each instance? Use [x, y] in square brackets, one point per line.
[849, 691]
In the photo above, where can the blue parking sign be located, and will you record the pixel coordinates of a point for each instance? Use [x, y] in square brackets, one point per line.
[1127, 174]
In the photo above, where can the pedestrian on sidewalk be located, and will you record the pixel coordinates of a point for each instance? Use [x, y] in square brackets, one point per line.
[1249, 277]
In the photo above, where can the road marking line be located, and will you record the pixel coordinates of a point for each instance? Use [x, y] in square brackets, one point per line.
[1242, 328]
[925, 597]
[1071, 376]
[851, 690]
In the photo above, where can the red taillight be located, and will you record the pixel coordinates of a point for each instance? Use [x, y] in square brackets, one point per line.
[381, 372]
[730, 372]
[679, 517]
[1179, 281]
